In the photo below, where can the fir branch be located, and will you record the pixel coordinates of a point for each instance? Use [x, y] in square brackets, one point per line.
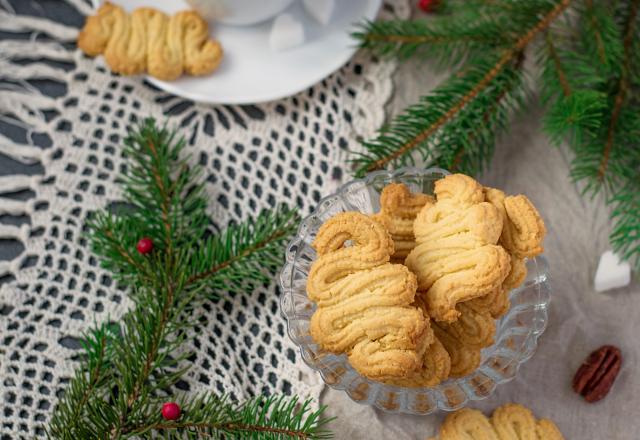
[114, 238]
[600, 36]
[151, 334]
[473, 144]
[622, 88]
[566, 68]
[162, 187]
[447, 41]
[575, 105]
[419, 123]
[89, 378]
[576, 117]
[608, 158]
[592, 18]
[589, 83]
[625, 236]
[613, 120]
[557, 63]
[243, 252]
[262, 417]
[462, 29]
[168, 205]
[256, 244]
[624, 161]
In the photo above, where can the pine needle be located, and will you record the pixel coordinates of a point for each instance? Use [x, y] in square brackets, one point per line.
[413, 129]
[589, 60]
[124, 376]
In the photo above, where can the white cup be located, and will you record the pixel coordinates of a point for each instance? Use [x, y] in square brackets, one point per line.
[239, 12]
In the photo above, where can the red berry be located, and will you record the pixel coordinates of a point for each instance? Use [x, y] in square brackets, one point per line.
[171, 411]
[427, 5]
[145, 245]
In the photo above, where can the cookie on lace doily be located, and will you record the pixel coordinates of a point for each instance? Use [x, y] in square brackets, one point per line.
[290, 151]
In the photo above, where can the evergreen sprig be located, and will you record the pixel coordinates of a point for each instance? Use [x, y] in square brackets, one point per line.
[93, 376]
[246, 251]
[442, 129]
[444, 41]
[210, 416]
[597, 110]
[128, 369]
[588, 53]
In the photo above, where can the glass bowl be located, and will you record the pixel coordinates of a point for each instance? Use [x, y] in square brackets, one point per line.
[516, 333]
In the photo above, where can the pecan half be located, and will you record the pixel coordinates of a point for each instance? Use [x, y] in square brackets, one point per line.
[595, 376]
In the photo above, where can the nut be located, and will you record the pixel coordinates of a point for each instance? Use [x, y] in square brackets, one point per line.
[595, 376]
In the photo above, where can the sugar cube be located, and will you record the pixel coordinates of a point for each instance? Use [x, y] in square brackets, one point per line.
[611, 273]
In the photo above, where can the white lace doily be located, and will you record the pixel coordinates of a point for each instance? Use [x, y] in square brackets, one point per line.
[292, 151]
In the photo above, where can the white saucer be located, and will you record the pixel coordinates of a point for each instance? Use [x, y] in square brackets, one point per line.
[251, 72]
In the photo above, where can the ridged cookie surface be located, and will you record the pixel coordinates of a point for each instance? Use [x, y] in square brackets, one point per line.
[398, 209]
[467, 424]
[364, 302]
[456, 257]
[497, 301]
[148, 40]
[473, 328]
[522, 234]
[436, 364]
[514, 422]
[547, 430]
[509, 422]
[464, 358]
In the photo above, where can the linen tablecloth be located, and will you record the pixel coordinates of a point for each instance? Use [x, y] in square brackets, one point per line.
[580, 319]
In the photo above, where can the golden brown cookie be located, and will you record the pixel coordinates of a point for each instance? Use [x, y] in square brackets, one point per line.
[398, 200]
[514, 422]
[164, 60]
[149, 40]
[398, 209]
[496, 198]
[459, 188]
[95, 35]
[467, 227]
[436, 366]
[520, 217]
[473, 328]
[450, 276]
[517, 274]
[436, 363]
[364, 302]
[464, 358]
[547, 430]
[467, 424]
[497, 301]
[456, 257]
[509, 422]
[524, 232]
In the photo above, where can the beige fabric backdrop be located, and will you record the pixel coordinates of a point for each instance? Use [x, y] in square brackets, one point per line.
[580, 318]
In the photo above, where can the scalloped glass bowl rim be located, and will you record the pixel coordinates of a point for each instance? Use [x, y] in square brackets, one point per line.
[516, 335]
